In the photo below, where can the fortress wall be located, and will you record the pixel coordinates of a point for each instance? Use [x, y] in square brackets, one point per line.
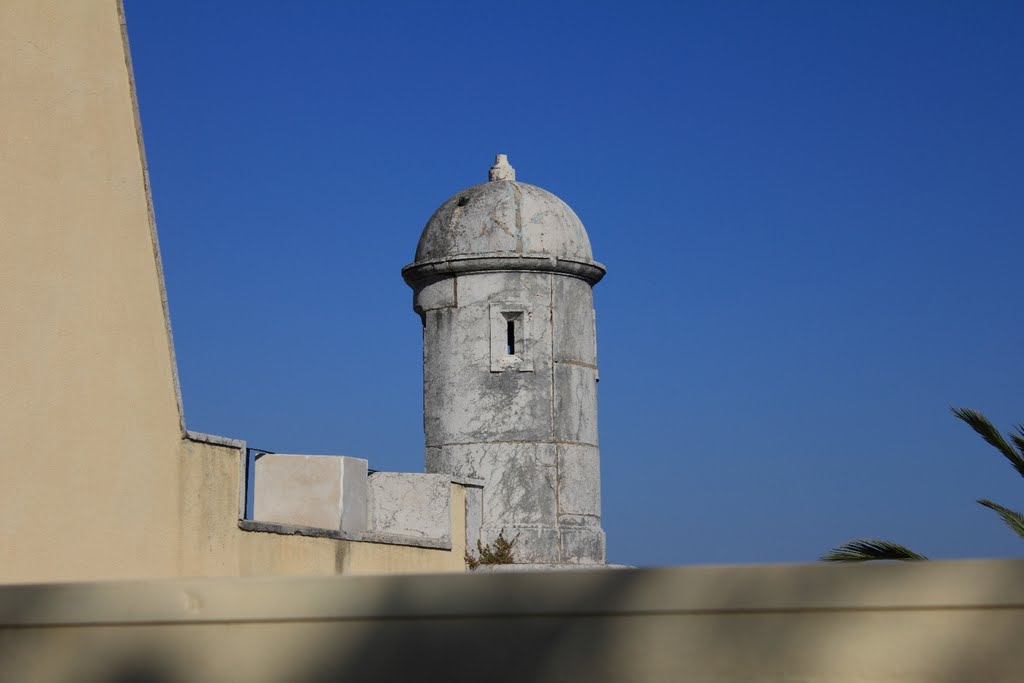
[214, 545]
[90, 422]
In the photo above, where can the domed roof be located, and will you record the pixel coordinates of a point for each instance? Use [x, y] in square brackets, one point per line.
[503, 225]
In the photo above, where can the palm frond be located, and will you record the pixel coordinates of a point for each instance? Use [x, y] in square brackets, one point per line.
[1018, 439]
[980, 424]
[870, 549]
[1011, 518]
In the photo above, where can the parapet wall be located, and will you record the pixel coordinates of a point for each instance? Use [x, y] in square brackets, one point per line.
[935, 622]
[216, 542]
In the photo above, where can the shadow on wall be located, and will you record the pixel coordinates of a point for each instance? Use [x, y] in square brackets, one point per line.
[942, 621]
[745, 624]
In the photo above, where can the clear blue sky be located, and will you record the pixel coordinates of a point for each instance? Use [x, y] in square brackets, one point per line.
[812, 216]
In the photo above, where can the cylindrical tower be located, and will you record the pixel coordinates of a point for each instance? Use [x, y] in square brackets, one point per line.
[503, 282]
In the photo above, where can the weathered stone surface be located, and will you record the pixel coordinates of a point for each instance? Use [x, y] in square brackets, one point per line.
[532, 544]
[438, 294]
[410, 504]
[574, 333]
[575, 403]
[520, 492]
[464, 402]
[501, 170]
[579, 480]
[474, 515]
[504, 217]
[323, 491]
[567, 520]
[533, 289]
[520, 479]
[510, 363]
[545, 567]
[483, 460]
[582, 545]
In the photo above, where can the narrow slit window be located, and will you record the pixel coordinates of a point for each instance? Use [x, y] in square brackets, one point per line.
[509, 338]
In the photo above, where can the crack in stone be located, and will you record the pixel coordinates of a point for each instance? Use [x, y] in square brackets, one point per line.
[519, 218]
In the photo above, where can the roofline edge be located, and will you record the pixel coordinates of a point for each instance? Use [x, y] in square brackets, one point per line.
[419, 272]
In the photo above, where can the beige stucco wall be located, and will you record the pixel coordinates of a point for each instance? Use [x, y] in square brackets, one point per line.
[210, 494]
[89, 418]
[938, 622]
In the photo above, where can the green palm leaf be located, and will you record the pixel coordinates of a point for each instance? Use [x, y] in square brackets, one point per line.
[867, 549]
[1011, 518]
[1018, 439]
[980, 424]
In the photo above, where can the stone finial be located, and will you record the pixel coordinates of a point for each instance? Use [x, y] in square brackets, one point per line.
[501, 170]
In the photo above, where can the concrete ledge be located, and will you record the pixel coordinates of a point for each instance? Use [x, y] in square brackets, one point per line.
[424, 271]
[509, 568]
[468, 481]
[987, 585]
[199, 437]
[360, 537]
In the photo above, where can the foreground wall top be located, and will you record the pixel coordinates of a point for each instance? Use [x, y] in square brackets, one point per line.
[936, 621]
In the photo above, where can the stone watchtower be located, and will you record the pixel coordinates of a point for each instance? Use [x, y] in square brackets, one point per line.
[503, 282]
